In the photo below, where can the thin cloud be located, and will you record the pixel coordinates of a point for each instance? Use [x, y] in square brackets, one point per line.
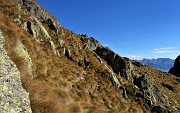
[166, 50]
[133, 56]
[122, 43]
[106, 44]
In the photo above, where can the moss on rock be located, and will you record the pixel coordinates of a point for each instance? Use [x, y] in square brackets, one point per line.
[39, 31]
[20, 49]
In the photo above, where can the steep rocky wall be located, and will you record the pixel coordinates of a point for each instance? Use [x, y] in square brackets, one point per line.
[13, 98]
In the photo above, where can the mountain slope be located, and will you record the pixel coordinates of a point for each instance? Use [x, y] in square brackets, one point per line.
[69, 73]
[163, 64]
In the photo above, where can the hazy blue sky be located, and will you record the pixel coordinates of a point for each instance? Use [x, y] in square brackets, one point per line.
[133, 28]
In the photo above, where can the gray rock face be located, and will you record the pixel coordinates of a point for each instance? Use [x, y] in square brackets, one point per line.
[37, 30]
[93, 43]
[40, 13]
[13, 98]
[176, 69]
[119, 64]
[152, 95]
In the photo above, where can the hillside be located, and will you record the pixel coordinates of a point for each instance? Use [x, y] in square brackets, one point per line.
[163, 64]
[64, 72]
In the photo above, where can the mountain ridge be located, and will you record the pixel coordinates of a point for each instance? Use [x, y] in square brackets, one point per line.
[163, 64]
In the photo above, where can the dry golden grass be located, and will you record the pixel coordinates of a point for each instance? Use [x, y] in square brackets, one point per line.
[56, 86]
[60, 85]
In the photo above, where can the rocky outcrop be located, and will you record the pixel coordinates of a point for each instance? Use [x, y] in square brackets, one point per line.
[13, 98]
[37, 30]
[93, 43]
[40, 13]
[123, 66]
[151, 94]
[119, 64]
[175, 70]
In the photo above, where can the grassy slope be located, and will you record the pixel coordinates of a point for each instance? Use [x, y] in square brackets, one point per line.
[58, 84]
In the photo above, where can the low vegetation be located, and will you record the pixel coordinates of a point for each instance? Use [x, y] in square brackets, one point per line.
[61, 82]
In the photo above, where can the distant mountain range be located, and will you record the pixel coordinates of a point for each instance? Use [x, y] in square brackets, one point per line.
[163, 64]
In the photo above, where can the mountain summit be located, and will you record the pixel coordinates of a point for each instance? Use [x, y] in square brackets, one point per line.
[45, 68]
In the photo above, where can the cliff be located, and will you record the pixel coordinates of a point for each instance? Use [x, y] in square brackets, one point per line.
[64, 72]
